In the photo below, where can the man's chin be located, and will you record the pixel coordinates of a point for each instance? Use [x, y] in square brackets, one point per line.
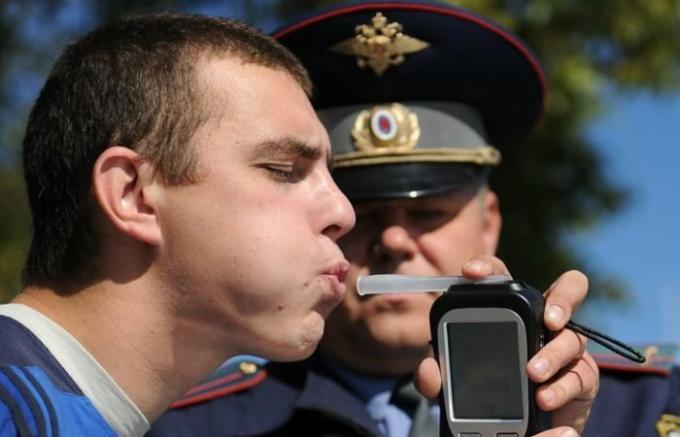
[298, 345]
[291, 352]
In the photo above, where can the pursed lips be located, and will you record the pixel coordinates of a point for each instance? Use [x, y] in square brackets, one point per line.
[336, 275]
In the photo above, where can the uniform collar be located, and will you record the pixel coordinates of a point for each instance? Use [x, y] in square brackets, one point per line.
[366, 386]
[327, 391]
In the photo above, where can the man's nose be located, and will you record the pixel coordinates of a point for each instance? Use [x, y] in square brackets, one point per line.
[339, 213]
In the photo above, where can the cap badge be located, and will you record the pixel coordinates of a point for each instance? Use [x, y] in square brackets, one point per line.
[386, 128]
[379, 44]
[668, 426]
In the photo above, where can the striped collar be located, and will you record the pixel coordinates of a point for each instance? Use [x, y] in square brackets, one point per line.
[96, 384]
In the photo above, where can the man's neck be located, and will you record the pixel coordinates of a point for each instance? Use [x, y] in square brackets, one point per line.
[133, 336]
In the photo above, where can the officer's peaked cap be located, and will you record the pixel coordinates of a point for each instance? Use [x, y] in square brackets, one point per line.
[418, 98]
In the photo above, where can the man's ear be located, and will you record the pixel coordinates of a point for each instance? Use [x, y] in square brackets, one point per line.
[120, 178]
[492, 221]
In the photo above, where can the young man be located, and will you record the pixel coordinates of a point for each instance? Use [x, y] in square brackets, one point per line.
[412, 95]
[181, 216]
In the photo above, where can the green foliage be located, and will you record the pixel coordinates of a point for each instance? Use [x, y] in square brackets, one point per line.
[551, 186]
[14, 231]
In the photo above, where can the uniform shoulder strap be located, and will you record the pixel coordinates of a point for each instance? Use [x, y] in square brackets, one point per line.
[233, 376]
[660, 358]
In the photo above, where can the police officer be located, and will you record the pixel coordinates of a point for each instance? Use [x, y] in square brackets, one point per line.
[418, 99]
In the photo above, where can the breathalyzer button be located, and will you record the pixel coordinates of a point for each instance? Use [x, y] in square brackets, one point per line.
[507, 434]
[469, 434]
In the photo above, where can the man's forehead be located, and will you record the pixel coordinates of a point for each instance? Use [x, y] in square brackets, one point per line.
[218, 75]
[228, 74]
[234, 90]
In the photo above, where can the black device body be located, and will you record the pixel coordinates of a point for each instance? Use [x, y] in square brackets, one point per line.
[483, 335]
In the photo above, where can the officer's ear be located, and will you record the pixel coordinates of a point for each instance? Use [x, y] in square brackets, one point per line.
[492, 221]
[121, 182]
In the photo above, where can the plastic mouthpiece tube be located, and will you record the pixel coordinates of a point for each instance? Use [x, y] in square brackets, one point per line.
[380, 284]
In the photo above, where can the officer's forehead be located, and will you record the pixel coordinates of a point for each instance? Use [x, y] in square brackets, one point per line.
[453, 198]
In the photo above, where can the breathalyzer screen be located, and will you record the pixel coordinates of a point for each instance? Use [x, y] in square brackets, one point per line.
[485, 370]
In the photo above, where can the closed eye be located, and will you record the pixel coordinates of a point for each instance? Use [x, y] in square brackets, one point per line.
[287, 160]
[289, 172]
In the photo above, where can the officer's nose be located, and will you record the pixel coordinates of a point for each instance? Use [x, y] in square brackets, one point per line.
[395, 243]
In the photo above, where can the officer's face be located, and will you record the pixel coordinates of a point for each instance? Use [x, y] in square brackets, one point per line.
[428, 236]
[251, 246]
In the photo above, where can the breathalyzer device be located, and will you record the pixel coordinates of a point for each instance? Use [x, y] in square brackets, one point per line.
[483, 334]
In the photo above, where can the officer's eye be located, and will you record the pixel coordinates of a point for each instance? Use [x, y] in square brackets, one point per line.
[367, 218]
[364, 217]
[428, 214]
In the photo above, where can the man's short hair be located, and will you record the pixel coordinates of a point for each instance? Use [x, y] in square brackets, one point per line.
[131, 83]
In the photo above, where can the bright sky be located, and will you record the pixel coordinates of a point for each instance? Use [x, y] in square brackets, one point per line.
[639, 138]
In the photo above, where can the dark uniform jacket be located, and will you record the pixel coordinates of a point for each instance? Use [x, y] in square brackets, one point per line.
[307, 399]
[637, 400]
[291, 399]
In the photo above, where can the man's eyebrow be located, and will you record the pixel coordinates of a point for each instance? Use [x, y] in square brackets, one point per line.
[289, 146]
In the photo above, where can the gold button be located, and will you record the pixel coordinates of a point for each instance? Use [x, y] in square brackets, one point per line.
[248, 368]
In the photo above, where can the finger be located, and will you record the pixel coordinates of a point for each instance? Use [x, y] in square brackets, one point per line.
[484, 265]
[563, 297]
[576, 383]
[562, 350]
[558, 432]
[427, 378]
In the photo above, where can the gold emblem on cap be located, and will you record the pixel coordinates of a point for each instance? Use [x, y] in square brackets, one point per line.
[379, 44]
[386, 128]
[668, 426]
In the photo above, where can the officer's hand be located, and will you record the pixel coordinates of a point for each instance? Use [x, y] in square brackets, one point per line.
[568, 374]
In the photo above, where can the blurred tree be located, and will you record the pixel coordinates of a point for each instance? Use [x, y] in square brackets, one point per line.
[14, 226]
[14, 216]
[32, 34]
[551, 185]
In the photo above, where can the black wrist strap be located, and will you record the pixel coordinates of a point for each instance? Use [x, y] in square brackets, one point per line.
[614, 345]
